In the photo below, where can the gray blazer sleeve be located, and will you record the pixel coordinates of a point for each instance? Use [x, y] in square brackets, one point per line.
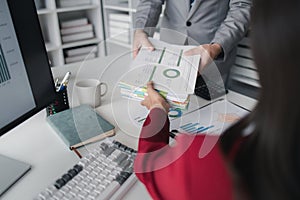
[147, 14]
[234, 26]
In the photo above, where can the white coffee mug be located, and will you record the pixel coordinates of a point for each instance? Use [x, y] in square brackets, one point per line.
[89, 92]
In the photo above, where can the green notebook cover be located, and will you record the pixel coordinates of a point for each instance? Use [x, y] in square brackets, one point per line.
[80, 125]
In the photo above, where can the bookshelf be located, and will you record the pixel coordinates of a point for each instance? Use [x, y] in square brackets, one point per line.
[118, 20]
[52, 13]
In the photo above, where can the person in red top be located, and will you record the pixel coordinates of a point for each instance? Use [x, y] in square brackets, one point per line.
[263, 165]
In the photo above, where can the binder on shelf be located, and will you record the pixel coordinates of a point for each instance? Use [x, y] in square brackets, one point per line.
[124, 25]
[76, 29]
[80, 126]
[119, 17]
[74, 22]
[80, 58]
[81, 50]
[78, 37]
[71, 3]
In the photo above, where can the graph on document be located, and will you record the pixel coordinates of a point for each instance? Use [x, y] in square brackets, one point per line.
[212, 119]
[4, 72]
[195, 128]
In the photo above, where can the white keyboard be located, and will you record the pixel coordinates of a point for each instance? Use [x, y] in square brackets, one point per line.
[105, 173]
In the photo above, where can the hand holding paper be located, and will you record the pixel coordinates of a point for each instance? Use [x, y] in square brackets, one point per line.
[208, 52]
[154, 99]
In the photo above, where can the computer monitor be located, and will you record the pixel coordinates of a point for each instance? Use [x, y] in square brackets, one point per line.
[26, 83]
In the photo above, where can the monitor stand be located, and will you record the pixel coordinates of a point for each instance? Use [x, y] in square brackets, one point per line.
[11, 170]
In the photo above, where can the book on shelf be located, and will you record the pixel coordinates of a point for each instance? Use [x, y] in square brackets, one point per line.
[76, 29]
[78, 37]
[118, 31]
[81, 50]
[80, 125]
[119, 17]
[173, 73]
[117, 24]
[71, 3]
[74, 22]
[79, 58]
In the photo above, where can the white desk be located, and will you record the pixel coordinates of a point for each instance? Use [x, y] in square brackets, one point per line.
[36, 143]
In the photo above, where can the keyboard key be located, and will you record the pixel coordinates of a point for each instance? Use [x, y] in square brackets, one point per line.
[59, 183]
[86, 181]
[65, 189]
[89, 188]
[94, 194]
[78, 168]
[121, 157]
[103, 146]
[78, 178]
[108, 151]
[121, 179]
[51, 189]
[124, 164]
[58, 195]
[72, 172]
[69, 196]
[45, 195]
[83, 194]
[66, 178]
[74, 191]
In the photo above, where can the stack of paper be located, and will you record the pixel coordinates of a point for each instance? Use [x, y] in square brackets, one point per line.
[213, 119]
[71, 3]
[119, 27]
[173, 74]
[77, 54]
[76, 30]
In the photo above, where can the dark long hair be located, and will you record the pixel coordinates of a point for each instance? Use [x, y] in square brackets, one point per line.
[268, 162]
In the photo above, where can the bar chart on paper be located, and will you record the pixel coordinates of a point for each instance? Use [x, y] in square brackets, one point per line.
[4, 72]
[195, 128]
[213, 119]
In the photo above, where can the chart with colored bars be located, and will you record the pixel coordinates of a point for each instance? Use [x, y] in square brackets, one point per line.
[195, 128]
[212, 119]
[4, 72]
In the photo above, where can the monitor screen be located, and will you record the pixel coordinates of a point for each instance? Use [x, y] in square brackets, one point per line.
[26, 83]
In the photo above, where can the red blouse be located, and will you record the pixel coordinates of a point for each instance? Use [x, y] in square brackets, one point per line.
[177, 171]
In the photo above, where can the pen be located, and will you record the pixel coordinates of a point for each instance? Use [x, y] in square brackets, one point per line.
[64, 81]
[76, 152]
[56, 83]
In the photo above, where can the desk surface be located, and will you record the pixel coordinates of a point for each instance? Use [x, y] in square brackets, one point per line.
[36, 143]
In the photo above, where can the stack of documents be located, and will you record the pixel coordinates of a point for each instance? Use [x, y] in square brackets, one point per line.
[119, 27]
[174, 75]
[71, 3]
[81, 53]
[76, 30]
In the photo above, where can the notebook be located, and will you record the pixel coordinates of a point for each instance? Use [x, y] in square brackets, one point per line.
[80, 125]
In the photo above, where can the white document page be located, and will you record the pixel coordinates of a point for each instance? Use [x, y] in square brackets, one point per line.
[213, 119]
[167, 66]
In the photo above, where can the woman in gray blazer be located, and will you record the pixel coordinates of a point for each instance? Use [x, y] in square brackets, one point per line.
[215, 26]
